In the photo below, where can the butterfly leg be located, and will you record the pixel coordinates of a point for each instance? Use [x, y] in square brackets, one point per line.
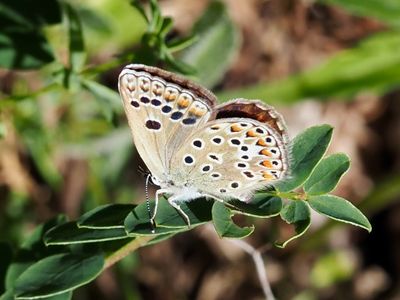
[172, 202]
[153, 215]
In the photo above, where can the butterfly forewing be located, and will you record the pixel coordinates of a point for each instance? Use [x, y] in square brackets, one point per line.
[162, 110]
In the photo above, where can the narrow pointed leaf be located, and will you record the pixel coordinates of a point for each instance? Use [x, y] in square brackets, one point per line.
[262, 205]
[57, 274]
[106, 216]
[217, 45]
[327, 174]
[296, 213]
[70, 233]
[223, 224]
[77, 54]
[307, 150]
[339, 209]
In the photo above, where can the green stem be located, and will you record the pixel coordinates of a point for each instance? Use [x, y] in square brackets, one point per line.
[126, 249]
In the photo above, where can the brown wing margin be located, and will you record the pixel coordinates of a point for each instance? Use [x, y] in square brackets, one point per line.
[170, 77]
[253, 109]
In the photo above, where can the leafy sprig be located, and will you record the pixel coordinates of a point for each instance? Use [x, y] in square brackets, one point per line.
[112, 231]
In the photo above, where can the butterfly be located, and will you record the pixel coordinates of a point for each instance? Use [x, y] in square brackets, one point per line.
[195, 148]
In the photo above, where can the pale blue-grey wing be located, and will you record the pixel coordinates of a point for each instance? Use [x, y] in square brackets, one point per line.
[163, 109]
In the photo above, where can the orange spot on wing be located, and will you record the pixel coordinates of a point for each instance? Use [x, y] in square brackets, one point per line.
[266, 163]
[265, 152]
[267, 176]
[157, 90]
[183, 102]
[261, 142]
[251, 133]
[198, 112]
[236, 128]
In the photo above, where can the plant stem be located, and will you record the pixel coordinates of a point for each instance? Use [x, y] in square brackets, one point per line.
[260, 267]
[126, 249]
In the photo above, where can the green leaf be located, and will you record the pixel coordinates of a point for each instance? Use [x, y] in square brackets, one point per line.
[9, 295]
[217, 45]
[32, 249]
[24, 50]
[262, 205]
[182, 43]
[70, 233]
[223, 224]
[168, 219]
[339, 209]
[57, 274]
[77, 54]
[198, 211]
[327, 174]
[106, 216]
[307, 150]
[5, 261]
[296, 213]
[372, 66]
[387, 11]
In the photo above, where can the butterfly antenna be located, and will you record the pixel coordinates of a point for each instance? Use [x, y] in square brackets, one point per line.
[146, 192]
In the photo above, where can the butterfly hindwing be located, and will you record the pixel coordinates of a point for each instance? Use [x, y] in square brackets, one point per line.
[232, 158]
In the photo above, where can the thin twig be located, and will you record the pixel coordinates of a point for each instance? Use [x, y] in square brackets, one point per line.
[259, 263]
[126, 249]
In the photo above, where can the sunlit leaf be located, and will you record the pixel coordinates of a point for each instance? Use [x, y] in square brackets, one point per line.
[57, 274]
[307, 150]
[339, 209]
[327, 174]
[70, 233]
[223, 224]
[296, 213]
